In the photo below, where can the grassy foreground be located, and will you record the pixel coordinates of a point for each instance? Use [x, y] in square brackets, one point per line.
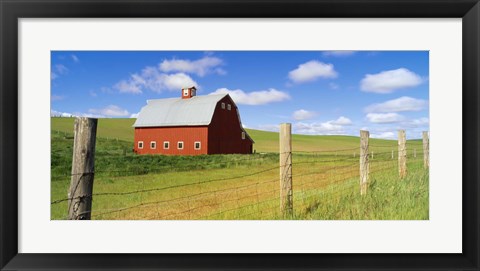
[325, 183]
[388, 198]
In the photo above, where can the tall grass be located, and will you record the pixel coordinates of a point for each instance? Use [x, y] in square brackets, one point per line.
[388, 198]
[325, 181]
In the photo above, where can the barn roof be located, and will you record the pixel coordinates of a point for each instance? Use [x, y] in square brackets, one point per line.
[195, 111]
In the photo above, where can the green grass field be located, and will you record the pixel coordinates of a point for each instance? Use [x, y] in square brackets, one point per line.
[325, 179]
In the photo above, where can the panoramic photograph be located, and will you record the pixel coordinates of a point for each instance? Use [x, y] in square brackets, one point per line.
[239, 135]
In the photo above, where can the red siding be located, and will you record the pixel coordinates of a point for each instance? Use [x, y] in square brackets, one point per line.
[172, 134]
[222, 136]
[225, 131]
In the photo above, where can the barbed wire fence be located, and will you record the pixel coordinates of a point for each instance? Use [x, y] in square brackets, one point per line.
[156, 193]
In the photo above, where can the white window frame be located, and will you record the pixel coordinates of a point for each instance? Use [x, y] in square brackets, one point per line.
[168, 145]
[199, 145]
[178, 145]
[223, 105]
[154, 145]
[140, 143]
[185, 92]
[243, 135]
[229, 107]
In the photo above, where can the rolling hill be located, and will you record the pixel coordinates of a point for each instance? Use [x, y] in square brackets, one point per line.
[122, 129]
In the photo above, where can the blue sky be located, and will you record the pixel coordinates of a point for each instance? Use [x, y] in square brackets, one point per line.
[319, 92]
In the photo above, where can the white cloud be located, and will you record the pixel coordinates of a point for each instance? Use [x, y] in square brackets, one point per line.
[332, 127]
[93, 113]
[128, 87]
[220, 71]
[61, 69]
[160, 78]
[110, 111]
[89, 115]
[93, 93]
[312, 70]
[333, 86]
[389, 81]
[173, 82]
[342, 121]
[324, 128]
[417, 123]
[58, 70]
[75, 58]
[384, 135]
[421, 121]
[152, 79]
[269, 127]
[303, 114]
[134, 116]
[342, 53]
[398, 105]
[54, 98]
[384, 117]
[200, 67]
[106, 90]
[54, 113]
[254, 97]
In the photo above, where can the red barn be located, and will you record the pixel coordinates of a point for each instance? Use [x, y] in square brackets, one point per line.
[191, 125]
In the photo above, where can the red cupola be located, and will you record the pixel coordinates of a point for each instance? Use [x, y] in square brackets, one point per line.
[188, 93]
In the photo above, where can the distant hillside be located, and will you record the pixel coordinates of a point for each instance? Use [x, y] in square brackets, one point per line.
[122, 129]
[112, 128]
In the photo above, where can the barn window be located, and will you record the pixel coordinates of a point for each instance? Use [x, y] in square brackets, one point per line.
[153, 145]
[185, 92]
[243, 135]
[166, 145]
[197, 145]
[140, 144]
[223, 105]
[180, 145]
[229, 106]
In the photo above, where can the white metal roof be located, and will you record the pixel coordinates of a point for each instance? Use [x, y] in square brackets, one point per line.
[194, 111]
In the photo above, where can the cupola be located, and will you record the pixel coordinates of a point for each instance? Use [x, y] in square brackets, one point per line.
[188, 93]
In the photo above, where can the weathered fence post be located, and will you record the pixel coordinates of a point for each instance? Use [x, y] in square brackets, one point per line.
[426, 150]
[286, 192]
[392, 154]
[414, 153]
[83, 164]
[364, 166]
[402, 154]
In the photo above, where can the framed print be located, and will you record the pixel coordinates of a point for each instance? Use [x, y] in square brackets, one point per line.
[194, 108]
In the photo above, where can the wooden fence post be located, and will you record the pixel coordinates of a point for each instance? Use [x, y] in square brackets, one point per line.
[426, 150]
[402, 154]
[286, 192]
[392, 154]
[83, 165]
[364, 165]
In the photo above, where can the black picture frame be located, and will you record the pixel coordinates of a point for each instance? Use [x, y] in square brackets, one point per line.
[11, 11]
